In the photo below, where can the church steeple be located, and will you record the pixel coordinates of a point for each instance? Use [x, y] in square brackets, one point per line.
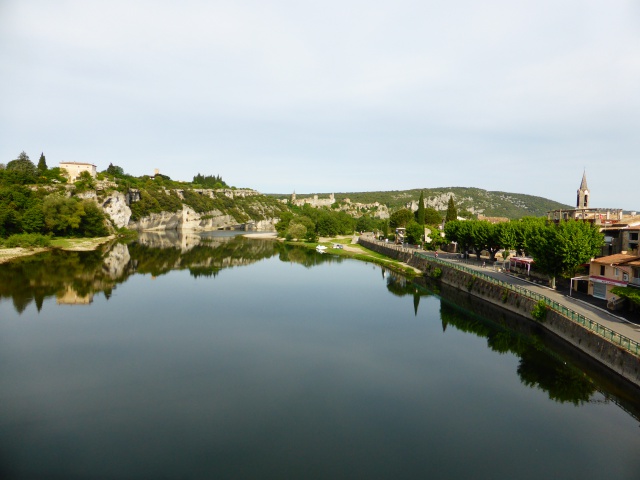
[583, 193]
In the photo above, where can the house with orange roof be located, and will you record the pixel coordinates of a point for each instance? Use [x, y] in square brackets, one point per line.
[619, 270]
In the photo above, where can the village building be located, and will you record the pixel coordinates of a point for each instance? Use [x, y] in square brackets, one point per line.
[314, 201]
[493, 220]
[598, 216]
[74, 169]
[619, 270]
[619, 263]
[622, 237]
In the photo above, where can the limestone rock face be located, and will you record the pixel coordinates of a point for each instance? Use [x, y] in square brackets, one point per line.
[268, 225]
[158, 221]
[115, 205]
[188, 219]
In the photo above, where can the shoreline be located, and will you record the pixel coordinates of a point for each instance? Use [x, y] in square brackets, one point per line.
[582, 328]
[67, 244]
[265, 235]
[359, 252]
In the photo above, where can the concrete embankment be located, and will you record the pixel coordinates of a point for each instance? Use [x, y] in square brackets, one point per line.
[617, 358]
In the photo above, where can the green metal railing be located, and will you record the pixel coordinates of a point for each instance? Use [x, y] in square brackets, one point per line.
[605, 332]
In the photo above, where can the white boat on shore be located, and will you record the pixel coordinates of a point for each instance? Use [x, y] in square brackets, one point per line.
[321, 249]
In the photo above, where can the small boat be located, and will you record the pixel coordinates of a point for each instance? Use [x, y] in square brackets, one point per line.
[321, 249]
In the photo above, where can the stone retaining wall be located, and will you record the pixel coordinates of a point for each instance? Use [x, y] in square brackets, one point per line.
[609, 354]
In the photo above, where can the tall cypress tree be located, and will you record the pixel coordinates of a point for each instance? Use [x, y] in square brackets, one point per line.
[42, 164]
[420, 212]
[452, 212]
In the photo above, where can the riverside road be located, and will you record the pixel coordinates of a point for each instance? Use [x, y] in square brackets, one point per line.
[610, 320]
[628, 327]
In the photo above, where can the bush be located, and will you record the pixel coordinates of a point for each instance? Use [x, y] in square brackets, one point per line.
[505, 295]
[470, 283]
[27, 240]
[539, 312]
[437, 273]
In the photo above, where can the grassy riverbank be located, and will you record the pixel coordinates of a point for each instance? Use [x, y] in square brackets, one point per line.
[354, 250]
[71, 244]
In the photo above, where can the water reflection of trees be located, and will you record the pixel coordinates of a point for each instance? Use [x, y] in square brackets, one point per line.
[33, 279]
[305, 256]
[399, 286]
[538, 367]
[75, 277]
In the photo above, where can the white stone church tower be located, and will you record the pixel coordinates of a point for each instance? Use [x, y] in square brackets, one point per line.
[583, 193]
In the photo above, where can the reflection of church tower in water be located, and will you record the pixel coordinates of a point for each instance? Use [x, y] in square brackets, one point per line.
[583, 193]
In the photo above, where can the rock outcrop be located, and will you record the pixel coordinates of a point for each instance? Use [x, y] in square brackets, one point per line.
[117, 207]
[188, 219]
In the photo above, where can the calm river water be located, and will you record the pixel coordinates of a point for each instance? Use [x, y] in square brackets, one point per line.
[181, 358]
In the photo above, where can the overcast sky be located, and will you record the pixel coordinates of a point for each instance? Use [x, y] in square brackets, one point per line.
[332, 96]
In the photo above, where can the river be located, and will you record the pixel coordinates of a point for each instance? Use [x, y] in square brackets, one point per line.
[225, 357]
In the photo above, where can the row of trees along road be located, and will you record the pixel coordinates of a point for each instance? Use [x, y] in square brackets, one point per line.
[557, 249]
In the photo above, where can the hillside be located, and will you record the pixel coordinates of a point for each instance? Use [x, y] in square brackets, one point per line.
[475, 200]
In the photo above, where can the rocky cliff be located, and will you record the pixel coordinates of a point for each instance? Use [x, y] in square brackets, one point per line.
[116, 206]
[188, 219]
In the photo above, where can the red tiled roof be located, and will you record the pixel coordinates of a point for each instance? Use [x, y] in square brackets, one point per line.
[617, 259]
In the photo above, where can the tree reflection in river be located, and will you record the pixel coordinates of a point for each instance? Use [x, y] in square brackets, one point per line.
[75, 277]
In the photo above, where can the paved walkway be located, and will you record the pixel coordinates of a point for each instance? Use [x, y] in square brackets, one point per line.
[579, 304]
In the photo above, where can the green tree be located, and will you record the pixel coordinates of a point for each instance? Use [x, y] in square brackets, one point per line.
[420, 213]
[327, 225]
[506, 234]
[296, 230]
[54, 175]
[33, 219]
[400, 218]
[85, 182]
[283, 223]
[432, 216]
[93, 222]
[630, 293]
[414, 232]
[210, 181]
[365, 223]
[42, 164]
[484, 237]
[459, 231]
[452, 212]
[23, 168]
[115, 170]
[62, 216]
[524, 228]
[559, 249]
[9, 221]
[384, 227]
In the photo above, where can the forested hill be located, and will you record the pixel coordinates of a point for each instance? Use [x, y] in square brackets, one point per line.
[474, 200]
